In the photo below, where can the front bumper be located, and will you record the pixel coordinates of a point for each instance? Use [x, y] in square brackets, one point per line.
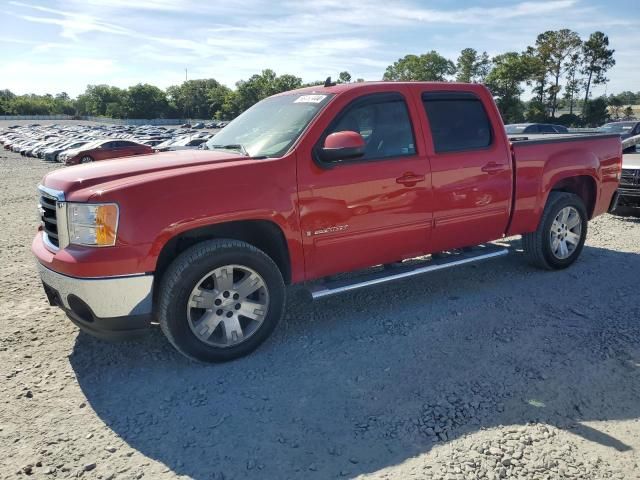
[629, 197]
[106, 307]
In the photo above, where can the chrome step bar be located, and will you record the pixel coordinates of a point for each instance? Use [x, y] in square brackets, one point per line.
[333, 287]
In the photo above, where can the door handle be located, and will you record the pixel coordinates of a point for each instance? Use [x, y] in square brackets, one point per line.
[492, 168]
[410, 179]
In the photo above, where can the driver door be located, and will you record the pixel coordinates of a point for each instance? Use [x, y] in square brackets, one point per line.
[371, 210]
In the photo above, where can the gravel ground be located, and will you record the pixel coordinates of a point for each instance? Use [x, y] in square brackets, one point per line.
[489, 371]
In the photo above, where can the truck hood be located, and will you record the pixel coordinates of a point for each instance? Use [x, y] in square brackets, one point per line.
[128, 169]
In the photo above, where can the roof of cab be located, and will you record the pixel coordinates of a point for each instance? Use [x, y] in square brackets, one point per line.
[343, 87]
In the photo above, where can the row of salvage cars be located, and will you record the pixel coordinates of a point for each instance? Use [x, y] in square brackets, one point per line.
[73, 144]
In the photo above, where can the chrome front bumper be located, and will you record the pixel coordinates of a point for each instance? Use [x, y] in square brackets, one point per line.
[106, 297]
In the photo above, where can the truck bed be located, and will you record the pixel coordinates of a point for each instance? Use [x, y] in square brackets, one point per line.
[541, 162]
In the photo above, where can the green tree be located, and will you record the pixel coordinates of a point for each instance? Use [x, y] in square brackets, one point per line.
[260, 86]
[557, 48]
[536, 111]
[472, 67]
[6, 97]
[595, 112]
[615, 107]
[429, 66]
[597, 60]
[197, 98]
[145, 101]
[510, 71]
[538, 61]
[97, 97]
[344, 77]
[628, 113]
[573, 84]
[569, 120]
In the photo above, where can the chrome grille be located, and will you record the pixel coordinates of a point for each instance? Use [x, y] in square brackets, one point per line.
[630, 178]
[48, 207]
[53, 217]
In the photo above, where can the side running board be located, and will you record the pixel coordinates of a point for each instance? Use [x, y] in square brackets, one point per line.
[354, 281]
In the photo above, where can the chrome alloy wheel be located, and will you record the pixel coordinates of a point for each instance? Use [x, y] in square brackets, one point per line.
[566, 231]
[228, 305]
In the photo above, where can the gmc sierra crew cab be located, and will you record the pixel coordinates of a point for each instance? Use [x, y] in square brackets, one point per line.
[335, 187]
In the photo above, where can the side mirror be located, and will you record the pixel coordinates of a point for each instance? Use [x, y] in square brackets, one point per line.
[342, 146]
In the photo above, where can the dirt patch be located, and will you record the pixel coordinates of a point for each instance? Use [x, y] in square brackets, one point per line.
[490, 371]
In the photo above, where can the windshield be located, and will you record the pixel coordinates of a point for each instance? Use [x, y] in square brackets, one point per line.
[617, 127]
[270, 127]
[515, 128]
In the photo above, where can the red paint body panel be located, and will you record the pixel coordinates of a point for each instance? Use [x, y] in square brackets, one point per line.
[337, 219]
[539, 167]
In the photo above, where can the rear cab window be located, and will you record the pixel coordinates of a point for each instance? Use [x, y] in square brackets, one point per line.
[458, 121]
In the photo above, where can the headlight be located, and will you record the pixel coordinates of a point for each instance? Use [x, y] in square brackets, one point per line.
[94, 225]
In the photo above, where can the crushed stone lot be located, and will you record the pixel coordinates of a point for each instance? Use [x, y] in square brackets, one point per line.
[490, 371]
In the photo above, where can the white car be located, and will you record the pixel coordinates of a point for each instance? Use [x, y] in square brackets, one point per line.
[184, 143]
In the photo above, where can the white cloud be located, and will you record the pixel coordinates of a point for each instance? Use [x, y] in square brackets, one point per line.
[154, 40]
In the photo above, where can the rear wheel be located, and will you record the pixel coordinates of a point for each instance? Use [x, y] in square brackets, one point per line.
[560, 236]
[220, 299]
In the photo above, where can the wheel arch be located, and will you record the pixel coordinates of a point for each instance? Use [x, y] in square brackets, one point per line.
[262, 234]
[584, 186]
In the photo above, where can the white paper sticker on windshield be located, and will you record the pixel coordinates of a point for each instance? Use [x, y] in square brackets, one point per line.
[310, 98]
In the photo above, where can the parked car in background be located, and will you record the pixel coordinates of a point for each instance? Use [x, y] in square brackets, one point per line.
[626, 129]
[51, 154]
[302, 187]
[105, 150]
[186, 143]
[629, 189]
[530, 128]
[198, 126]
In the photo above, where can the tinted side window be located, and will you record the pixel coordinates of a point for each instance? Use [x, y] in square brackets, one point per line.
[458, 121]
[109, 145]
[532, 129]
[547, 129]
[384, 123]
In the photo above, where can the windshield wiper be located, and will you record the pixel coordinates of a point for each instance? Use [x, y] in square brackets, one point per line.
[233, 146]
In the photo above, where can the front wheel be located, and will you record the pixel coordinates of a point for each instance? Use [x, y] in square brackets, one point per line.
[220, 299]
[560, 235]
[86, 159]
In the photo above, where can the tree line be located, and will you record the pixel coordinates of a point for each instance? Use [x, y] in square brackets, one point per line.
[560, 70]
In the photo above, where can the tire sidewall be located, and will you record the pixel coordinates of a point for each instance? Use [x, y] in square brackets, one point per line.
[563, 202]
[180, 290]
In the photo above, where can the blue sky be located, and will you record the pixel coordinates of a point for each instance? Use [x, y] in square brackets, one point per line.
[63, 45]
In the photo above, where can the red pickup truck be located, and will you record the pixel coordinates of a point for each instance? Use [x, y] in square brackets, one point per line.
[303, 186]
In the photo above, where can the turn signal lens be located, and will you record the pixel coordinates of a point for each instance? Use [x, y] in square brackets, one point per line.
[93, 225]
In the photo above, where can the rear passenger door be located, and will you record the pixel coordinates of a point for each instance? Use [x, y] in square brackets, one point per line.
[470, 168]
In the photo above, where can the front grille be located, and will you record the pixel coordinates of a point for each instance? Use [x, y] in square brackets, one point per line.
[48, 208]
[630, 178]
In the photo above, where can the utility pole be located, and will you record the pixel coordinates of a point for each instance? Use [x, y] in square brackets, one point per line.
[185, 74]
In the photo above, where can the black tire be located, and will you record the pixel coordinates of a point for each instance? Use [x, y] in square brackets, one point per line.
[182, 276]
[86, 159]
[537, 245]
